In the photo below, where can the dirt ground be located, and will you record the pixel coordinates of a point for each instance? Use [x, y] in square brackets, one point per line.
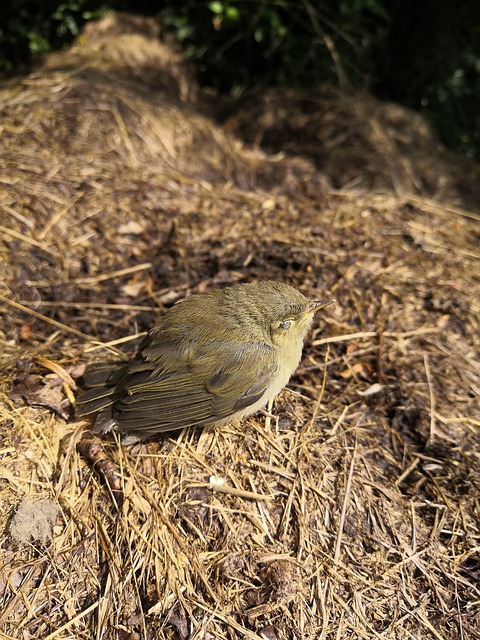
[353, 512]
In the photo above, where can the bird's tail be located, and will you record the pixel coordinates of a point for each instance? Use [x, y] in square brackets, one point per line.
[100, 382]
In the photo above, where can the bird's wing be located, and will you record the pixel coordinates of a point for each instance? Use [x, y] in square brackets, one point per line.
[165, 388]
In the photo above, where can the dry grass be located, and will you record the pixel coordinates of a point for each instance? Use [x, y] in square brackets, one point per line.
[354, 513]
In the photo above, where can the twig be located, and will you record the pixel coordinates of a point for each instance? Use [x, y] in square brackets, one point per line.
[40, 316]
[322, 388]
[233, 491]
[58, 216]
[338, 543]
[372, 334]
[432, 400]
[93, 452]
[126, 138]
[113, 343]
[114, 274]
[430, 205]
[73, 621]
[26, 239]
[93, 305]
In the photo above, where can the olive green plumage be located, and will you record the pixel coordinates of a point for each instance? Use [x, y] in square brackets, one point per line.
[213, 358]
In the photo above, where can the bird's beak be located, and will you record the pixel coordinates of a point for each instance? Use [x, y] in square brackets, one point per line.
[316, 305]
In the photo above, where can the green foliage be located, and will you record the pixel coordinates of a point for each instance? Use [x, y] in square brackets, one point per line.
[430, 61]
[28, 27]
[453, 107]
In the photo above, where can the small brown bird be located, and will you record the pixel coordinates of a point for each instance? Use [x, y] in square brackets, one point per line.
[213, 358]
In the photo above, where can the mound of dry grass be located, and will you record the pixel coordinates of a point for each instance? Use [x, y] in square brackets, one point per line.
[354, 513]
[357, 141]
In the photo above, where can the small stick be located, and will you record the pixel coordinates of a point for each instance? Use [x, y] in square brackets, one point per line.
[348, 488]
[31, 241]
[216, 485]
[40, 316]
[114, 274]
[432, 400]
[371, 334]
[93, 452]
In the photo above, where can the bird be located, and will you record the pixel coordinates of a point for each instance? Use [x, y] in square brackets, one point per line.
[214, 358]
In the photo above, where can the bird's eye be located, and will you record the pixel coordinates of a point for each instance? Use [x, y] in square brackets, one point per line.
[286, 324]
